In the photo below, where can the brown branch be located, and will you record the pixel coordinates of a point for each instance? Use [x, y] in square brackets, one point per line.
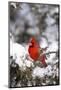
[50, 52]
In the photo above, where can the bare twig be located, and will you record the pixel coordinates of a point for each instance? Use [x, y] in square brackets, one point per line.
[50, 52]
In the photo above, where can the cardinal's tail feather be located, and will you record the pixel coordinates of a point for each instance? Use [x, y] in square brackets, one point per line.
[42, 59]
[45, 65]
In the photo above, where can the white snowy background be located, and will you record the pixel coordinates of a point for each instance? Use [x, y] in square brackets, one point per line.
[37, 20]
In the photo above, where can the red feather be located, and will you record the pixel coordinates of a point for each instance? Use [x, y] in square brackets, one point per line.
[34, 52]
[42, 59]
[34, 49]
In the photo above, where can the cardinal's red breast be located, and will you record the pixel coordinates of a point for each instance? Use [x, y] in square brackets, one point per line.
[34, 50]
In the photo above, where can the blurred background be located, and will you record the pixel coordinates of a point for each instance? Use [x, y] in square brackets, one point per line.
[42, 22]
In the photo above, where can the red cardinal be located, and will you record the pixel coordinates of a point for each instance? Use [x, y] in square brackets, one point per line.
[35, 52]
